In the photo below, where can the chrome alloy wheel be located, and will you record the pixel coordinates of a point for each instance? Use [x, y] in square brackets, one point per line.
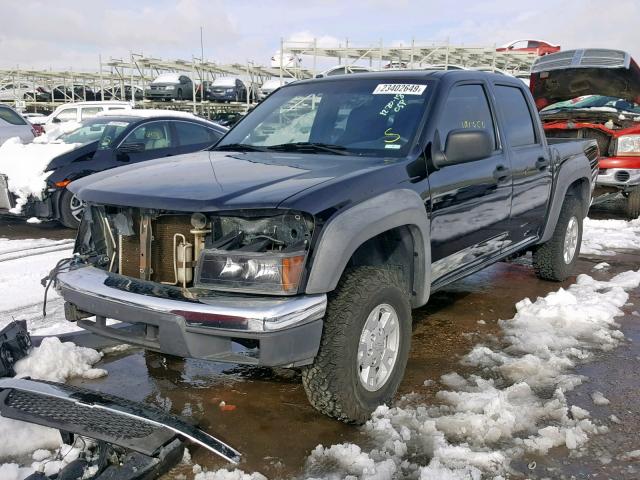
[378, 347]
[570, 240]
[76, 206]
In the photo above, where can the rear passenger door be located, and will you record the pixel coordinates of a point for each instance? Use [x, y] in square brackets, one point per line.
[193, 137]
[530, 162]
[470, 202]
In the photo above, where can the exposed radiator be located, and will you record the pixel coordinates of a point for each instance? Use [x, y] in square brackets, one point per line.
[163, 230]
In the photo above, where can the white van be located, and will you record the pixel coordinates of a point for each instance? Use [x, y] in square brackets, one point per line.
[76, 112]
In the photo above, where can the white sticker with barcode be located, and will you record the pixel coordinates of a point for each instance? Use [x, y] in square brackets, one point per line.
[403, 88]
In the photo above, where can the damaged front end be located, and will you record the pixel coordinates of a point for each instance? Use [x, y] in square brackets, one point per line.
[221, 286]
[594, 94]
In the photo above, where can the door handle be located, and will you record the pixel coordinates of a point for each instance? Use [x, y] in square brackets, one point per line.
[542, 163]
[501, 173]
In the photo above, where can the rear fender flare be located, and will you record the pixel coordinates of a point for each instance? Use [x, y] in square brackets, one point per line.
[572, 170]
[347, 230]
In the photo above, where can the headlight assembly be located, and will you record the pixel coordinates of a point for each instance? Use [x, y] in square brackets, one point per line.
[276, 273]
[259, 254]
[169, 87]
[628, 145]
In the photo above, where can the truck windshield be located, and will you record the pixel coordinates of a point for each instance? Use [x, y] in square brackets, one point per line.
[595, 103]
[344, 116]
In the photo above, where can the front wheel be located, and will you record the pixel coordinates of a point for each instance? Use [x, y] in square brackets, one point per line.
[555, 259]
[365, 345]
[633, 204]
[71, 208]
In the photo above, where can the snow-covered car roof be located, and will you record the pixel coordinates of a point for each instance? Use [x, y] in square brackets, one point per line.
[154, 112]
[225, 81]
[274, 83]
[167, 78]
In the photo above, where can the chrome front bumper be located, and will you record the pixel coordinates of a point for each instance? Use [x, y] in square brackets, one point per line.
[619, 177]
[282, 331]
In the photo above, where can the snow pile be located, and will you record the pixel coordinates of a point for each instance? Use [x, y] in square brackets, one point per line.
[601, 237]
[53, 361]
[224, 474]
[24, 165]
[56, 362]
[517, 406]
[23, 263]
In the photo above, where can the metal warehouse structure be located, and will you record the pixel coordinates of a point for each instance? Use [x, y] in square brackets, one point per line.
[138, 71]
[413, 56]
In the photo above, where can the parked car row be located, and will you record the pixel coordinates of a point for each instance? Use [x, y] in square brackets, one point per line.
[109, 139]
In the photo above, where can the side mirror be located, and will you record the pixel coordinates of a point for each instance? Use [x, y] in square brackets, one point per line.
[463, 145]
[55, 120]
[124, 150]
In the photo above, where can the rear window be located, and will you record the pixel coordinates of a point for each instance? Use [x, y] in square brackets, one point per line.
[516, 115]
[11, 117]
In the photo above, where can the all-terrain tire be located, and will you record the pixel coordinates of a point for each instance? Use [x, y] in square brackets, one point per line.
[332, 383]
[633, 204]
[66, 210]
[549, 260]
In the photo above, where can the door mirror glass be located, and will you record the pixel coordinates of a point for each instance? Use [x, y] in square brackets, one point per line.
[465, 145]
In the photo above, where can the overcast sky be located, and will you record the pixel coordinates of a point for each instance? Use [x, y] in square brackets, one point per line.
[67, 34]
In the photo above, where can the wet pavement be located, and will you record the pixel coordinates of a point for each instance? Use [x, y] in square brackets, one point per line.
[275, 428]
[267, 416]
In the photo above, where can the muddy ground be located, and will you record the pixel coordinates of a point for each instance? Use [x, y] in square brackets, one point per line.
[275, 428]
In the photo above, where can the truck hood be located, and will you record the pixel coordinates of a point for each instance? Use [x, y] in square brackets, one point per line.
[572, 73]
[210, 181]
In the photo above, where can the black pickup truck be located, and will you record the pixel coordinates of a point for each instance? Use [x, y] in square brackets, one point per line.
[308, 234]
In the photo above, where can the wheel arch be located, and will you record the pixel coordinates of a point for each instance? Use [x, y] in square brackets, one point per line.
[573, 179]
[391, 228]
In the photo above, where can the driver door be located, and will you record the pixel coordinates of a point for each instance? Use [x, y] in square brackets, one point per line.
[470, 202]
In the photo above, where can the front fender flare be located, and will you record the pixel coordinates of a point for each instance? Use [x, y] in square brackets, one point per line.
[347, 230]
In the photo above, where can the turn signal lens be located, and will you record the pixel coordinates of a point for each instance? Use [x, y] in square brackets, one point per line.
[62, 184]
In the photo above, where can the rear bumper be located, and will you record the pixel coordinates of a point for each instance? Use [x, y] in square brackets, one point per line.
[249, 330]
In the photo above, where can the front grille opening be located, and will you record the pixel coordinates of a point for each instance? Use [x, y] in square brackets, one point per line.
[622, 176]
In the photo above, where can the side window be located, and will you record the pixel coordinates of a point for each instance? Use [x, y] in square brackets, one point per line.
[466, 107]
[11, 117]
[153, 136]
[533, 44]
[515, 112]
[89, 112]
[67, 115]
[192, 134]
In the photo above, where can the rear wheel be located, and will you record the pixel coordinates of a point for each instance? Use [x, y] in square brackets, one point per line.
[633, 204]
[364, 347]
[556, 259]
[71, 208]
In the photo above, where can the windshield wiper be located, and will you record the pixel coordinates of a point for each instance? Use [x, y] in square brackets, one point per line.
[310, 146]
[239, 147]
